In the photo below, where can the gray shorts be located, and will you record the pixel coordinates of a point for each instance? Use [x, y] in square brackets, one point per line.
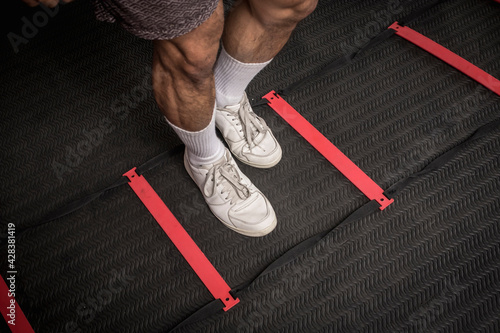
[155, 19]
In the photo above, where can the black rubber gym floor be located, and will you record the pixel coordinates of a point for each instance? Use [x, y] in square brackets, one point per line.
[78, 112]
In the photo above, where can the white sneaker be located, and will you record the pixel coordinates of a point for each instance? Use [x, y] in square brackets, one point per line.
[232, 197]
[248, 136]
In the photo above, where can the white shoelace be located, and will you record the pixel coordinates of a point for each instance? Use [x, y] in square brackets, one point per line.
[225, 174]
[252, 125]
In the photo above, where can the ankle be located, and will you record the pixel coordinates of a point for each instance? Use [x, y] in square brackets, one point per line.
[232, 77]
[203, 146]
[197, 160]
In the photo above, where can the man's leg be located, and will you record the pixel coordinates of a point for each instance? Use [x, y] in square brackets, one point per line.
[255, 31]
[182, 74]
[183, 85]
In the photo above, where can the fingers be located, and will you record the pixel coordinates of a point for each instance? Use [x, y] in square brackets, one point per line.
[31, 3]
[50, 3]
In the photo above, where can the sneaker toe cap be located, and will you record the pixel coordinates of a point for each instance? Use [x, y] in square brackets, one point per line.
[255, 213]
[268, 151]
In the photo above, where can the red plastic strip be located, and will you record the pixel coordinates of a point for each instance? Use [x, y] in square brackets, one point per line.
[181, 239]
[11, 311]
[364, 183]
[447, 56]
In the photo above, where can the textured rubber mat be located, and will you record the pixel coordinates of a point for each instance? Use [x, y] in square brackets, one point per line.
[78, 112]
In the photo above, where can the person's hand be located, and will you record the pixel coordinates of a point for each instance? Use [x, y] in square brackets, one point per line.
[48, 3]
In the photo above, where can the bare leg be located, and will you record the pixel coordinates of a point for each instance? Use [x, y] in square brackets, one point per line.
[255, 30]
[183, 81]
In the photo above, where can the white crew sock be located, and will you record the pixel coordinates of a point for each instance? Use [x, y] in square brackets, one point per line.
[203, 147]
[232, 77]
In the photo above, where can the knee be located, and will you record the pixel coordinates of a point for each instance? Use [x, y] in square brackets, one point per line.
[282, 13]
[302, 8]
[192, 56]
[192, 63]
[197, 63]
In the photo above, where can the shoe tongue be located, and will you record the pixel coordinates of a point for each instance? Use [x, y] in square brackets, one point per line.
[233, 108]
[234, 184]
[250, 120]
